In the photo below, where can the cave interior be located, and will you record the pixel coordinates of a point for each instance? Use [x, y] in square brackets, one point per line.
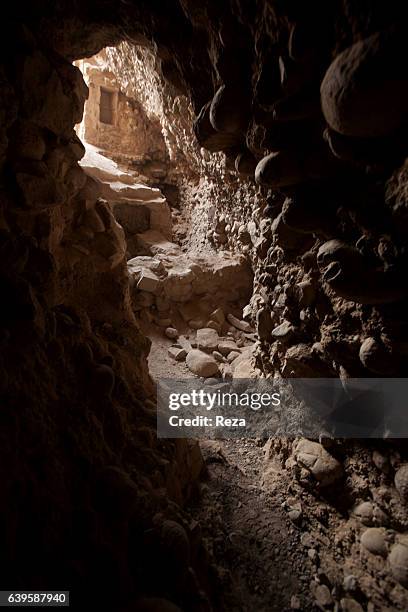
[213, 189]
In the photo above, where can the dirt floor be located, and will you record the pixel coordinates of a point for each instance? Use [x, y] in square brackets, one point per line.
[255, 548]
[161, 365]
[253, 545]
[277, 543]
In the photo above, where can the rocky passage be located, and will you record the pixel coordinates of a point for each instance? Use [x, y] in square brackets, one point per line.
[281, 129]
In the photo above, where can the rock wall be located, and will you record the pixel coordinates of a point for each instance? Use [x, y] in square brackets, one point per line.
[309, 185]
[84, 477]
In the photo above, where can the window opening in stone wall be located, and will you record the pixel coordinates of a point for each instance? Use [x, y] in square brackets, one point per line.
[106, 111]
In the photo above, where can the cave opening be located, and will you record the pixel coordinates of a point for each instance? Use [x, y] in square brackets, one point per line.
[236, 191]
[188, 280]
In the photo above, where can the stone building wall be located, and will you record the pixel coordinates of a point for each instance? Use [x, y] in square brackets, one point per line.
[130, 134]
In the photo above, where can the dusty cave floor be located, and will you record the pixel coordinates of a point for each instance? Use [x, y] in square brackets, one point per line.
[254, 548]
[161, 365]
[274, 544]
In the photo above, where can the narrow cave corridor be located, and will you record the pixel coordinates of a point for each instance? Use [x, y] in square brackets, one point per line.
[190, 284]
[186, 288]
[204, 197]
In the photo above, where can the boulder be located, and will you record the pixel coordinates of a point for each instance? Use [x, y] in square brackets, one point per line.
[149, 282]
[310, 211]
[302, 105]
[245, 163]
[207, 339]
[315, 458]
[229, 110]
[370, 514]
[179, 354]
[171, 332]
[214, 325]
[373, 540]
[243, 366]
[398, 560]
[196, 323]
[201, 363]
[241, 325]
[184, 343]
[208, 137]
[365, 90]
[347, 604]
[351, 276]
[306, 293]
[287, 237]
[376, 357]
[284, 332]
[218, 357]
[324, 600]
[385, 151]
[381, 461]
[287, 168]
[305, 361]
[163, 322]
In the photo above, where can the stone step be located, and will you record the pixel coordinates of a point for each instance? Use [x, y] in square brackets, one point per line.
[154, 243]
